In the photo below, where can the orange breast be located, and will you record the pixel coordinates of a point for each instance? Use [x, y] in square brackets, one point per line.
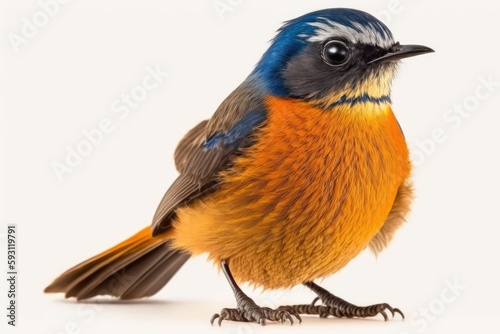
[306, 198]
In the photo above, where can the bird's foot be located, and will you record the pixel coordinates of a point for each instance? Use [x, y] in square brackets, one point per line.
[346, 310]
[337, 307]
[249, 311]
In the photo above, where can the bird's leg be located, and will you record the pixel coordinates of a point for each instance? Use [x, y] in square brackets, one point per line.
[337, 307]
[248, 310]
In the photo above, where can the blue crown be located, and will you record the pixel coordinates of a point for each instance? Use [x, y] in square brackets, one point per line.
[350, 24]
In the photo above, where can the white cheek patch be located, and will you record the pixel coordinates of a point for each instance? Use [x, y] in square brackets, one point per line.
[358, 33]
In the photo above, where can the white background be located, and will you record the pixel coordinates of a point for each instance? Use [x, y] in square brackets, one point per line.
[63, 80]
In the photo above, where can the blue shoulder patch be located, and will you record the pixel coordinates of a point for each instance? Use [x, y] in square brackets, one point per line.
[238, 133]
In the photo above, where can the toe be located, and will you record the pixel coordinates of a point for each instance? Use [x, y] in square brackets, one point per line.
[215, 316]
[384, 314]
[398, 311]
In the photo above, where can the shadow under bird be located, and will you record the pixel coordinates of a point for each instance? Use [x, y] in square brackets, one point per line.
[301, 168]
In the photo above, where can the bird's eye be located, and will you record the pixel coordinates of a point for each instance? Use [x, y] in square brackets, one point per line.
[335, 53]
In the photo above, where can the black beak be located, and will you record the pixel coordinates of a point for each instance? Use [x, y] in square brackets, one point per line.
[399, 51]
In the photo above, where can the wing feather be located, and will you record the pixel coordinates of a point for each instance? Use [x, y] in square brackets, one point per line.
[205, 151]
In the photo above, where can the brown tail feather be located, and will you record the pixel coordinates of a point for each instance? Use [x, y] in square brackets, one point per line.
[137, 267]
[156, 276]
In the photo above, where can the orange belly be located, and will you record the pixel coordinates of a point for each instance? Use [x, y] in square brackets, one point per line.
[305, 199]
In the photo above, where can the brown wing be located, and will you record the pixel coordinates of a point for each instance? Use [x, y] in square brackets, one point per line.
[191, 142]
[230, 129]
[196, 167]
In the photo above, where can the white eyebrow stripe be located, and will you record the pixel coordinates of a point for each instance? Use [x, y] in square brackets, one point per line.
[365, 34]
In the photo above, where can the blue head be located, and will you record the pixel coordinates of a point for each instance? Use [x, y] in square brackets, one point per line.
[321, 54]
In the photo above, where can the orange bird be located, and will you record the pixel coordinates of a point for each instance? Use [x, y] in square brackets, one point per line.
[302, 167]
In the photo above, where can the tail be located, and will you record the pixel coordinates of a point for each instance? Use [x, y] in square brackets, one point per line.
[138, 267]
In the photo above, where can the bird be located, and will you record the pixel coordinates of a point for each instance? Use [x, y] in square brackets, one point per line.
[301, 168]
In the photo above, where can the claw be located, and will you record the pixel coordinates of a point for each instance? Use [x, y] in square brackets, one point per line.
[386, 307]
[215, 316]
[288, 313]
[337, 307]
[398, 311]
[298, 317]
[258, 315]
